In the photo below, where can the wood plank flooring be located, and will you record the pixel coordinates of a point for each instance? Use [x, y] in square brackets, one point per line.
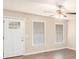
[60, 54]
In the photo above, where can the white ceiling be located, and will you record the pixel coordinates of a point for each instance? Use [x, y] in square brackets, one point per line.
[40, 7]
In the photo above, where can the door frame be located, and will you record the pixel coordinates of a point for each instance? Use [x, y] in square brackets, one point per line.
[13, 18]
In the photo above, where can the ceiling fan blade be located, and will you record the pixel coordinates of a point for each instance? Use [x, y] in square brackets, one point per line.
[73, 13]
[64, 15]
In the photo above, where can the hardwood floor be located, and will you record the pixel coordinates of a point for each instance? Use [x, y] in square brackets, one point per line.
[60, 54]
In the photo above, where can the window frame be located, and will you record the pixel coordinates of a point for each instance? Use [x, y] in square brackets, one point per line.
[56, 34]
[44, 32]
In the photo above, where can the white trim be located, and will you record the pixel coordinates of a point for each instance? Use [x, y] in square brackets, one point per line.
[71, 48]
[49, 50]
[63, 33]
[44, 31]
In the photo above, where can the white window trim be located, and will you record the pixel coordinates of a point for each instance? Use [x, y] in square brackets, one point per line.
[63, 33]
[44, 32]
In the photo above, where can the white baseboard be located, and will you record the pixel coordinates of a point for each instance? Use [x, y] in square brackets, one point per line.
[71, 48]
[49, 50]
[44, 51]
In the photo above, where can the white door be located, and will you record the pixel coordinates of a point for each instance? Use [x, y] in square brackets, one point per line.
[14, 37]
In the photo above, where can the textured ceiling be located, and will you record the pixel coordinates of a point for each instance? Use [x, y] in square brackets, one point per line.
[39, 7]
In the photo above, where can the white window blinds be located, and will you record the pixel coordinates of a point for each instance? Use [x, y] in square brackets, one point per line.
[59, 33]
[38, 33]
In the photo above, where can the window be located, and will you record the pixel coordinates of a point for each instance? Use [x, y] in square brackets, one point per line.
[38, 33]
[14, 25]
[59, 32]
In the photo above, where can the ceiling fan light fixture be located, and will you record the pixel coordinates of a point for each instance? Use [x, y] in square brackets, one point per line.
[59, 16]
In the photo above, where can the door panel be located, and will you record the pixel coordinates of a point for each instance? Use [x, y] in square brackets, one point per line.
[14, 37]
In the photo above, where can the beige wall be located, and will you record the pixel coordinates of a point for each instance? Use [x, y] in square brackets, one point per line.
[71, 42]
[50, 31]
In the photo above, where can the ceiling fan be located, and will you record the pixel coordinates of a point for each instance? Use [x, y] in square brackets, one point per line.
[60, 12]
